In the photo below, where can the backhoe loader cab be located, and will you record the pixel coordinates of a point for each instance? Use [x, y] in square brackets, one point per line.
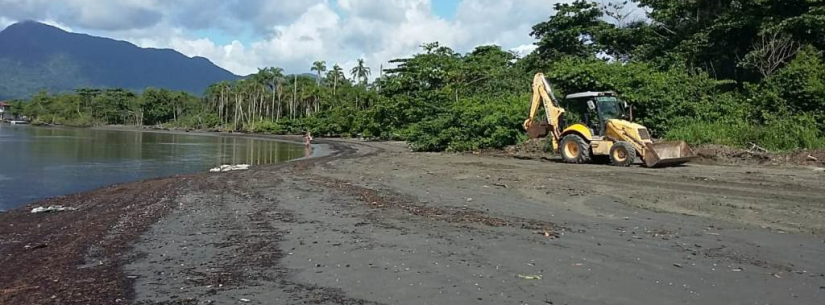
[601, 127]
[597, 108]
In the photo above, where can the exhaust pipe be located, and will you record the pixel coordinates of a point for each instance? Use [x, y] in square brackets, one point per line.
[668, 154]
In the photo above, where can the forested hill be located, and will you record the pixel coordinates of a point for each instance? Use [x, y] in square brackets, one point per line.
[35, 56]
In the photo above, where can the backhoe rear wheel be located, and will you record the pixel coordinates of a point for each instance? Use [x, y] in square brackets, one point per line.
[622, 154]
[574, 149]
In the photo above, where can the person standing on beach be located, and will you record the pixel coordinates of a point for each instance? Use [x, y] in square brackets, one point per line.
[308, 138]
[308, 143]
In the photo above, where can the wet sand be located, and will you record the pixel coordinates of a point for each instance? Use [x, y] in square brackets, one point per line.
[372, 223]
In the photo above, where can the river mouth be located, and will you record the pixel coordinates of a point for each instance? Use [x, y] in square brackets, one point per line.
[39, 162]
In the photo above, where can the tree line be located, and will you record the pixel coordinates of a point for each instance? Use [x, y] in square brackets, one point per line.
[733, 72]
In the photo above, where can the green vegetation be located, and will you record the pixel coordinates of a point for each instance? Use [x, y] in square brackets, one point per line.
[728, 72]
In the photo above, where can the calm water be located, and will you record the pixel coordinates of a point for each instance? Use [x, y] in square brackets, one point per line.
[37, 163]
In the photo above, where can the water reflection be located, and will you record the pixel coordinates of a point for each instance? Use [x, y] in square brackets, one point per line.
[42, 162]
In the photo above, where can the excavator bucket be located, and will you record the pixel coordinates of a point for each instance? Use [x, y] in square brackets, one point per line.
[668, 154]
[538, 130]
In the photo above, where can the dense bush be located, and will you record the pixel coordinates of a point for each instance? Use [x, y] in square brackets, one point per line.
[471, 124]
[798, 88]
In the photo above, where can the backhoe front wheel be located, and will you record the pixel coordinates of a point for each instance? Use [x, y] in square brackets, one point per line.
[622, 154]
[574, 149]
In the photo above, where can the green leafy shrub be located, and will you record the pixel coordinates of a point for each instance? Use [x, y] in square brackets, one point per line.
[471, 124]
[790, 133]
[85, 121]
[778, 134]
[698, 133]
[270, 127]
[798, 88]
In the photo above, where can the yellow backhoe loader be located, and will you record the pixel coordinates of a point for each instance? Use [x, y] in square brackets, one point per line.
[605, 130]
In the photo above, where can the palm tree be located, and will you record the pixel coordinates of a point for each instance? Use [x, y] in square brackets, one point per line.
[336, 72]
[219, 94]
[294, 105]
[256, 106]
[361, 72]
[275, 78]
[319, 67]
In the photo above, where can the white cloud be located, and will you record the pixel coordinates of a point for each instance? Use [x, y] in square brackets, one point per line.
[524, 50]
[380, 39]
[57, 24]
[264, 14]
[289, 33]
[95, 14]
[4, 22]
[115, 15]
[311, 36]
[319, 33]
[386, 10]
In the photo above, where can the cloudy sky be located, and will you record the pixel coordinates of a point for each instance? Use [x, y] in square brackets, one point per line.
[242, 35]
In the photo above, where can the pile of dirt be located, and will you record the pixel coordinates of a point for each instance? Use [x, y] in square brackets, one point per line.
[806, 157]
[534, 148]
[726, 154]
[729, 155]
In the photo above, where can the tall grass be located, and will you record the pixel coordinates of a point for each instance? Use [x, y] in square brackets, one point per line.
[782, 134]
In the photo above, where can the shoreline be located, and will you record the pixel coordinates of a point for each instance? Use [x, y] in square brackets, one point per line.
[372, 223]
[100, 232]
[294, 139]
[318, 150]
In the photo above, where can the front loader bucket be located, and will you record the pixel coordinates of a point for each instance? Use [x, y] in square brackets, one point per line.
[668, 154]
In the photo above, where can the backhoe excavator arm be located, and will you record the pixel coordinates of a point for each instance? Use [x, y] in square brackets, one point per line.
[543, 94]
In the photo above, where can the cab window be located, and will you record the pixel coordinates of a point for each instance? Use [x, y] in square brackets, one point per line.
[610, 108]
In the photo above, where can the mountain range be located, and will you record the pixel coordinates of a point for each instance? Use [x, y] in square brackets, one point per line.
[36, 56]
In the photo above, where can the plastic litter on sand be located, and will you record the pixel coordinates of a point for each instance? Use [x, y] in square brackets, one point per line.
[52, 209]
[230, 168]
